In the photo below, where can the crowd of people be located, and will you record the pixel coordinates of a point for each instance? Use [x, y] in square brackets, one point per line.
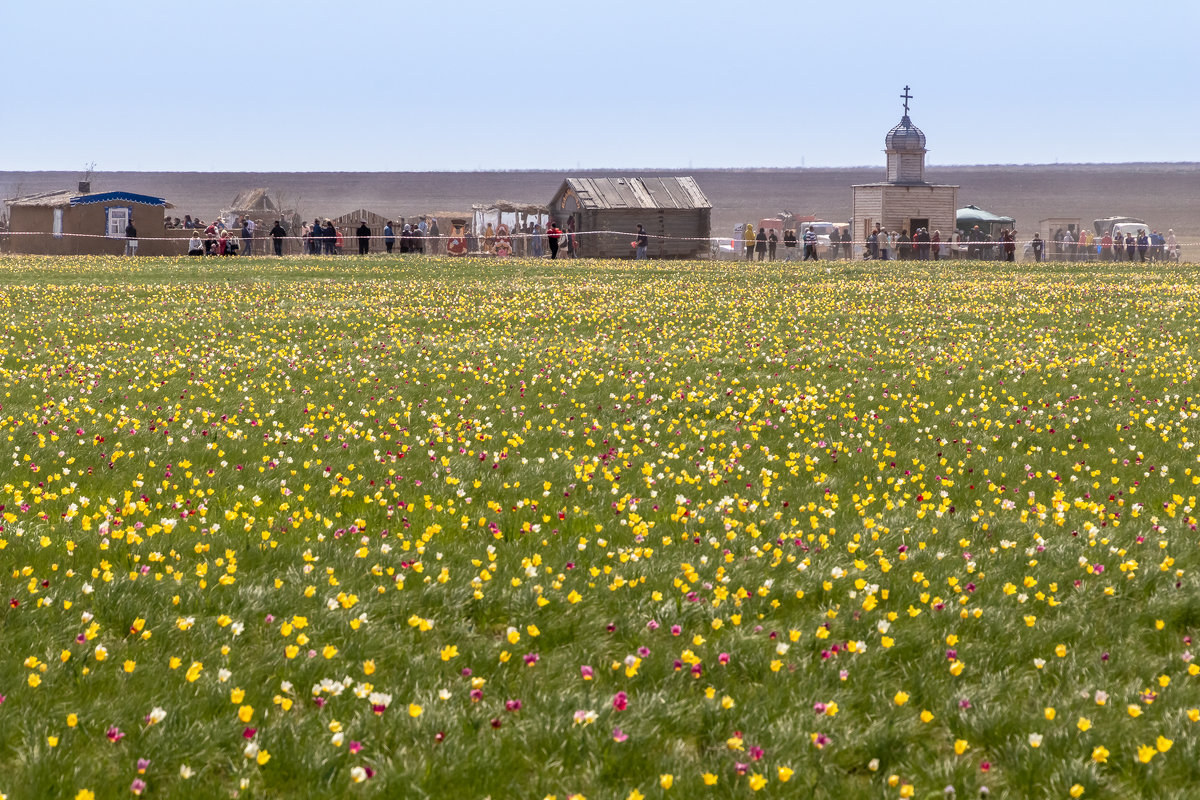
[885, 245]
[925, 245]
[1115, 246]
[218, 239]
[765, 244]
[424, 236]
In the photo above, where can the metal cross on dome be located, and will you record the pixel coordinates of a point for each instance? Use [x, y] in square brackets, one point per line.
[906, 97]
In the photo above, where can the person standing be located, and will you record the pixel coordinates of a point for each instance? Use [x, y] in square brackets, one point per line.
[885, 245]
[389, 237]
[329, 238]
[1143, 242]
[131, 240]
[772, 243]
[552, 236]
[572, 239]
[1037, 245]
[760, 243]
[277, 234]
[873, 245]
[246, 247]
[810, 244]
[642, 242]
[935, 245]
[748, 239]
[364, 238]
[434, 234]
[1010, 244]
[789, 244]
[846, 244]
[536, 241]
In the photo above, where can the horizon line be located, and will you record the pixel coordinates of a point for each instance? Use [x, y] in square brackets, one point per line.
[482, 170]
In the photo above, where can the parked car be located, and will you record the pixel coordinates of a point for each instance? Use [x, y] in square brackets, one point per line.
[1124, 224]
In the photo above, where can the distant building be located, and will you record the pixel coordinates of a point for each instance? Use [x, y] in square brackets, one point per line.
[904, 201]
[348, 225]
[675, 214]
[516, 216]
[74, 223]
[257, 204]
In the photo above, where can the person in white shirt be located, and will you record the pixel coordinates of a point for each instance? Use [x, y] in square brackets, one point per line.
[195, 246]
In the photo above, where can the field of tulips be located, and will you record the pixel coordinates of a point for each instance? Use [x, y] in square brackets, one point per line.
[435, 528]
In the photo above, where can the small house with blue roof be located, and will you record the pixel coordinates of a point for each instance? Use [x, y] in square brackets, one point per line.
[87, 223]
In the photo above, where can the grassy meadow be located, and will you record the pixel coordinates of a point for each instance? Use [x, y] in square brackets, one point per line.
[525, 529]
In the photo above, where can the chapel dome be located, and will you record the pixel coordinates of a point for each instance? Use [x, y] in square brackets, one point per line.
[905, 136]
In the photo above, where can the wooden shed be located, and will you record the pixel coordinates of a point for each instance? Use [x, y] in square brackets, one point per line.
[348, 224]
[674, 212]
[70, 223]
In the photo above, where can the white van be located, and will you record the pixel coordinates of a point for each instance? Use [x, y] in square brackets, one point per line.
[1123, 228]
[1123, 225]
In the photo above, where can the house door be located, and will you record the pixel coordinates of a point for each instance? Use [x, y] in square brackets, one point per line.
[916, 223]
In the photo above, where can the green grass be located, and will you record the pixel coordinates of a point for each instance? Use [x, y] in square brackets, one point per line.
[819, 484]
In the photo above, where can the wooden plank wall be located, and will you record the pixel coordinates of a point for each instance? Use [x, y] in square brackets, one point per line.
[936, 203]
[694, 224]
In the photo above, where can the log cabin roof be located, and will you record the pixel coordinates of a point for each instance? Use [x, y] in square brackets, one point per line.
[636, 193]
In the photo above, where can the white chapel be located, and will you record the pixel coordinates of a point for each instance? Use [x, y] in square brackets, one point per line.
[903, 201]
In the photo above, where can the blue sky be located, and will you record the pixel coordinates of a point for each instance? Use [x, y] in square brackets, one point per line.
[379, 86]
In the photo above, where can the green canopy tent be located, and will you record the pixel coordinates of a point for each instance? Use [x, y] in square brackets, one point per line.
[989, 223]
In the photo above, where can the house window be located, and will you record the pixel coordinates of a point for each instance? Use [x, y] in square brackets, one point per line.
[58, 223]
[117, 219]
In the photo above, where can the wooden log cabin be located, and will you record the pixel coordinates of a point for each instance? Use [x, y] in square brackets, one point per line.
[673, 211]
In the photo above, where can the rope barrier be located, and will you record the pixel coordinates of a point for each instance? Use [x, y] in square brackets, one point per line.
[735, 242]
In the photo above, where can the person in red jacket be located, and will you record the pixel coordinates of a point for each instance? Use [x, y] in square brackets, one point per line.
[552, 235]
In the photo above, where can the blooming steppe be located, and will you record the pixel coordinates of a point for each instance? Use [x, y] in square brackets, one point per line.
[435, 528]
